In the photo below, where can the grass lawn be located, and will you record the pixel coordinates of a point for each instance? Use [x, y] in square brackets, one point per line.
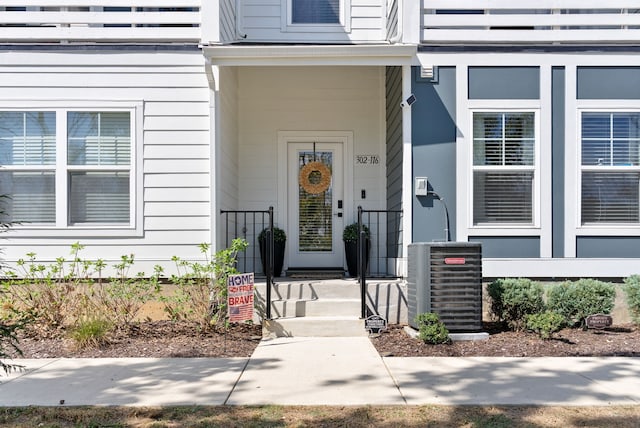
[322, 416]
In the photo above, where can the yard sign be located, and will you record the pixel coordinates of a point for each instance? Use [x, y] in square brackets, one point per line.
[240, 297]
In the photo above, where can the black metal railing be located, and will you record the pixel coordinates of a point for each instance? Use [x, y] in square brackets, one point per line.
[385, 241]
[249, 225]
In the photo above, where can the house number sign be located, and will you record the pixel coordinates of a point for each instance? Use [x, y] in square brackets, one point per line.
[367, 160]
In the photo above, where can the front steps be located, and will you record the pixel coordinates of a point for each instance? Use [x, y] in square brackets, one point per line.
[327, 308]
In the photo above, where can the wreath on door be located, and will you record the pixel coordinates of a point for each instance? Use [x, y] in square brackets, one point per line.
[315, 177]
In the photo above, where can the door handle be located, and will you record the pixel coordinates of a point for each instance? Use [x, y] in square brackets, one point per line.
[337, 214]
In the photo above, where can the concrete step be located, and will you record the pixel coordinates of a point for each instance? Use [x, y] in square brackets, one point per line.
[312, 290]
[314, 327]
[321, 307]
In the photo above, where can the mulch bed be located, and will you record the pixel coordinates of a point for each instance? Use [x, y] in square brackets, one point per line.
[158, 339]
[166, 339]
[621, 340]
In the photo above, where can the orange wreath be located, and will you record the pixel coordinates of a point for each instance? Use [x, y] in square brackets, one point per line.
[317, 185]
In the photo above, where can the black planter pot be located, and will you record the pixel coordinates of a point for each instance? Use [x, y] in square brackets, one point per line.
[351, 253]
[278, 256]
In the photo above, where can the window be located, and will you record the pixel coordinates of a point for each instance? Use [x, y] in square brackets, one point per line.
[64, 168]
[610, 167]
[504, 167]
[28, 157]
[315, 11]
[316, 16]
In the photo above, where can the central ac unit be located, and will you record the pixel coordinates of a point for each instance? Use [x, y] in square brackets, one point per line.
[446, 278]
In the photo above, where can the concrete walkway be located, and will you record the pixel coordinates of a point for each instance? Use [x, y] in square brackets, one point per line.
[323, 371]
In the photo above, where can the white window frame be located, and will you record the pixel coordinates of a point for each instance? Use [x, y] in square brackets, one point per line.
[62, 226]
[602, 229]
[506, 229]
[344, 24]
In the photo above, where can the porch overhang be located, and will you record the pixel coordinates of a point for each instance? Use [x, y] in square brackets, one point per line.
[292, 55]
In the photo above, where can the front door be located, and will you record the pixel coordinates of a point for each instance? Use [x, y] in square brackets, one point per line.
[315, 200]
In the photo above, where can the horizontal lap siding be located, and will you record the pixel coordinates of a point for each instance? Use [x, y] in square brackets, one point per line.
[173, 90]
[262, 21]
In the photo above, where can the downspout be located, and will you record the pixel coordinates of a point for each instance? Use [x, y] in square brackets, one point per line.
[238, 22]
[397, 38]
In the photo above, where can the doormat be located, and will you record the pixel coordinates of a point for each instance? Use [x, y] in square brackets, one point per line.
[315, 273]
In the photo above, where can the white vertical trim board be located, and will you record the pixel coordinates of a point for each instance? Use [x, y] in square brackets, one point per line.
[571, 167]
[463, 179]
[545, 163]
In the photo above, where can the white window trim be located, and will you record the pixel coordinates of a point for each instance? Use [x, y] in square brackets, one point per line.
[605, 229]
[61, 227]
[504, 229]
[344, 24]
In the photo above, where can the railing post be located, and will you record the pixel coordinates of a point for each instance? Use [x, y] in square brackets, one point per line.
[269, 263]
[361, 263]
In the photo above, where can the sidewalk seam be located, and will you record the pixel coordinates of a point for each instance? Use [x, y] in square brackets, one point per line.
[395, 382]
[233, 388]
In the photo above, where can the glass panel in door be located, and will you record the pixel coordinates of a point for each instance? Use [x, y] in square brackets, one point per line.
[315, 205]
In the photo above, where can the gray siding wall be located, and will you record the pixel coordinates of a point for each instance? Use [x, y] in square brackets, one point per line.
[557, 161]
[609, 83]
[504, 83]
[394, 137]
[434, 153]
[393, 87]
[608, 247]
[508, 246]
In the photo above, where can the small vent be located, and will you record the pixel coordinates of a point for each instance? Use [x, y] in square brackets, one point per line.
[426, 72]
[446, 278]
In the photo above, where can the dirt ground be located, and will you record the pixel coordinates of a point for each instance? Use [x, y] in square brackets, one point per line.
[162, 339]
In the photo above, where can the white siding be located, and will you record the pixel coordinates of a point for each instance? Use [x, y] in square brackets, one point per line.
[261, 21]
[173, 89]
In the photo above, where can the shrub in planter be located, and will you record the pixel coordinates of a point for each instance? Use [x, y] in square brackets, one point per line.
[512, 299]
[545, 323]
[279, 241]
[431, 330]
[632, 291]
[576, 300]
[350, 238]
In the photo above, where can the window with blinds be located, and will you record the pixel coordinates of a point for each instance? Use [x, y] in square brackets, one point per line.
[315, 11]
[504, 147]
[99, 139]
[610, 167]
[28, 157]
[85, 172]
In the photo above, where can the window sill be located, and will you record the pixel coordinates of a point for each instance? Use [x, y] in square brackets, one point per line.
[18, 232]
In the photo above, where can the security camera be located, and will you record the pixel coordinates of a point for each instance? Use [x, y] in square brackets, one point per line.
[409, 101]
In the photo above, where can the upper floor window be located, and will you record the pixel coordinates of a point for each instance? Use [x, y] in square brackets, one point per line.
[63, 168]
[315, 11]
[504, 167]
[610, 167]
[316, 15]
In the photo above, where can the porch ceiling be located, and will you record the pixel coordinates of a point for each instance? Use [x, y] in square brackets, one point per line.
[277, 55]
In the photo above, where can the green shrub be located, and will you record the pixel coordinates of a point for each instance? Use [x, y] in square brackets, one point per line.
[121, 298]
[545, 323]
[52, 293]
[91, 332]
[431, 330]
[201, 288]
[512, 299]
[632, 291]
[576, 300]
